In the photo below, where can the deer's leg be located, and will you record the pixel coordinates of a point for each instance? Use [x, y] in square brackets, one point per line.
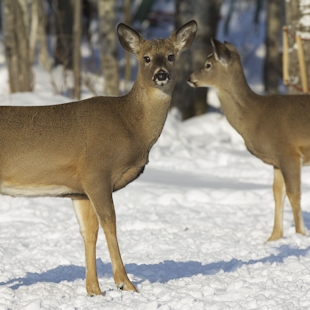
[88, 222]
[291, 171]
[101, 198]
[279, 195]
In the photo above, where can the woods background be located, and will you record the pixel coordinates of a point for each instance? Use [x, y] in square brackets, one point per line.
[54, 33]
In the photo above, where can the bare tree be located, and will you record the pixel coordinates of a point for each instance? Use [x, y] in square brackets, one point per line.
[17, 48]
[272, 61]
[206, 13]
[38, 34]
[108, 41]
[127, 19]
[33, 29]
[77, 33]
[297, 12]
[183, 96]
[64, 32]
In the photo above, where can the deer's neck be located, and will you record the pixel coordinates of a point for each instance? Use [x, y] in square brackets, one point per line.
[150, 106]
[238, 102]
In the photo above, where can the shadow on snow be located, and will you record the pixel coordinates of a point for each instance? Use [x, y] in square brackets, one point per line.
[161, 272]
[306, 216]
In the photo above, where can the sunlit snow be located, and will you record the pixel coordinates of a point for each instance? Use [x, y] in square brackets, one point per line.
[191, 229]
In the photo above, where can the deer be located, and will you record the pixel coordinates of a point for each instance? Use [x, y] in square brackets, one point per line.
[86, 150]
[275, 128]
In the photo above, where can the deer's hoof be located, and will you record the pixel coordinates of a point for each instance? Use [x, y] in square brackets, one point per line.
[127, 286]
[274, 237]
[94, 291]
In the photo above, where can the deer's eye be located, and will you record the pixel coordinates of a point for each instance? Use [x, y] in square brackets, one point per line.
[208, 65]
[147, 59]
[171, 57]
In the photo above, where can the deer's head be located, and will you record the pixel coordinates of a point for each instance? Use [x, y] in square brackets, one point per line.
[218, 68]
[157, 57]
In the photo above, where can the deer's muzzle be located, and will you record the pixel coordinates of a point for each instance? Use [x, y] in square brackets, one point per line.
[161, 77]
[192, 82]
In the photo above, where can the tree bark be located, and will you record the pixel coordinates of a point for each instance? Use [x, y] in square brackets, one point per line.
[33, 29]
[77, 33]
[64, 31]
[44, 57]
[17, 48]
[183, 95]
[108, 41]
[194, 101]
[207, 15]
[272, 61]
[297, 13]
[38, 34]
[127, 15]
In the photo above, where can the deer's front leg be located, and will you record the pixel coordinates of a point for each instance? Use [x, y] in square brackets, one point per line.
[279, 195]
[101, 198]
[291, 170]
[88, 222]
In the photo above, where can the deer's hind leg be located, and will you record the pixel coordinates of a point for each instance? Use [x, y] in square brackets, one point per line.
[279, 195]
[291, 170]
[88, 221]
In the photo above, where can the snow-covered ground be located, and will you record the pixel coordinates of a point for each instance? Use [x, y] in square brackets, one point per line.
[192, 231]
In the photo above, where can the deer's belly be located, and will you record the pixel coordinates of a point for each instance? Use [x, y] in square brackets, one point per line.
[33, 190]
[127, 176]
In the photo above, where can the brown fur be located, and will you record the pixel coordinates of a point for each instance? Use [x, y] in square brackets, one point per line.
[90, 148]
[275, 128]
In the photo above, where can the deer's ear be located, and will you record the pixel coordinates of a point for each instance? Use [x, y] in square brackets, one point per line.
[221, 52]
[129, 39]
[184, 36]
[231, 47]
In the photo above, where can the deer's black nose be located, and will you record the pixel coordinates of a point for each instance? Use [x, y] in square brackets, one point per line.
[161, 75]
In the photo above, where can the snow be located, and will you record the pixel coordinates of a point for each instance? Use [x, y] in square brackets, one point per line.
[191, 229]
[304, 21]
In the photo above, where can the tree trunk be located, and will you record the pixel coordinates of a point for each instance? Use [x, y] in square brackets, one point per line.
[297, 13]
[272, 61]
[77, 32]
[38, 34]
[206, 15]
[17, 48]
[64, 32]
[127, 18]
[33, 29]
[194, 102]
[44, 57]
[108, 41]
[183, 95]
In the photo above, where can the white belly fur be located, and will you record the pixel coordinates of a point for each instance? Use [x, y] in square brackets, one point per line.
[34, 190]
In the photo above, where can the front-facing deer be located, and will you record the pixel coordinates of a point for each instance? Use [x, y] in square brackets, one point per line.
[88, 149]
[275, 128]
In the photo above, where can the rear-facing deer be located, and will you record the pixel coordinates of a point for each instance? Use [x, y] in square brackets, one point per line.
[275, 128]
[88, 149]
